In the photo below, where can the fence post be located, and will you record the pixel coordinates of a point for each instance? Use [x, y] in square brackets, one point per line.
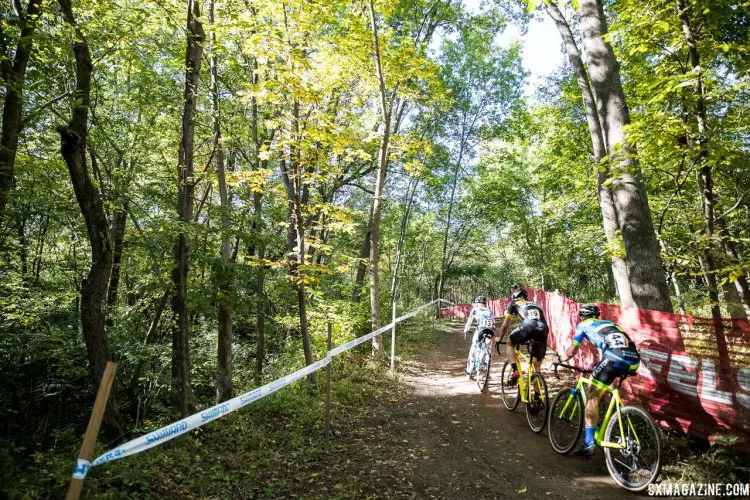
[92, 431]
[329, 368]
[393, 337]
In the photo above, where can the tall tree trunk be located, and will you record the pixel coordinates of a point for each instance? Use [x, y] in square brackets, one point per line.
[36, 267]
[185, 200]
[260, 276]
[705, 179]
[730, 249]
[118, 233]
[260, 293]
[73, 138]
[378, 346]
[606, 202]
[23, 249]
[362, 262]
[224, 272]
[647, 280]
[14, 76]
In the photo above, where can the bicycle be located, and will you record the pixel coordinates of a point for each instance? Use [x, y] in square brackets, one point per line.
[631, 442]
[537, 405]
[483, 359]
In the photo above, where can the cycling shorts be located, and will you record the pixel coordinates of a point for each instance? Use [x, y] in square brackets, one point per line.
[615, 362]
[531, 330]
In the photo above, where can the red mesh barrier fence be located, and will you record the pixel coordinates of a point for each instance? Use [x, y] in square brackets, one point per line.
[694, 374]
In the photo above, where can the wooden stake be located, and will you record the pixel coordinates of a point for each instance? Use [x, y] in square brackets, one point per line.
[329, 368]
[92, 431]
[393, 338]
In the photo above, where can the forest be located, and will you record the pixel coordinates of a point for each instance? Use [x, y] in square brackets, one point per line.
[198, 189]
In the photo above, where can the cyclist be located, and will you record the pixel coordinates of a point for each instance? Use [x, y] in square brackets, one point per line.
[533, 327]
[485, 320]
[619, 357]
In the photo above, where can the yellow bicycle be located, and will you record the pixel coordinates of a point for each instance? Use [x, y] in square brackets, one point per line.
[530, 387]
[628, 435]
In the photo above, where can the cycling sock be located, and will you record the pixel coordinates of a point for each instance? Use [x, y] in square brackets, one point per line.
[589, 438]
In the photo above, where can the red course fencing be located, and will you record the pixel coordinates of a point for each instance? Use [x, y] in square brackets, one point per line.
[694, 374]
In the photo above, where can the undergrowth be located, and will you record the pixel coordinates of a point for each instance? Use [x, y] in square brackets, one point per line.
[274, 447]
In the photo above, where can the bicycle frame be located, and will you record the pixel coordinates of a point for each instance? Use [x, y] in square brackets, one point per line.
[614, 407]
[523, 384]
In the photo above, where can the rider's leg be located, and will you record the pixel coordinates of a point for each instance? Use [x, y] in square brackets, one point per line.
[470, 361]
[593, 395]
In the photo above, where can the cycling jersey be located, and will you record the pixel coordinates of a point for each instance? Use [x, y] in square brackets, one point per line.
[619, 353]
[525, 310]
[533, 327]
[483, 316]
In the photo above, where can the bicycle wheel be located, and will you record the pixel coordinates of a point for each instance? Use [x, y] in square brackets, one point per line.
[483, 372]
[511, 396]
[565, 420]
[639, 463]
[538, 405]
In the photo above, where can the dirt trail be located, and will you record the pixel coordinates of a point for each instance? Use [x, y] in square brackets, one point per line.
[462, 444]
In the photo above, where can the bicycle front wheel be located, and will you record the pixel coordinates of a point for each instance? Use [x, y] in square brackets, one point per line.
[565, 420]
[638, 464]
[483, 372]
[509, 391]
[538, 405]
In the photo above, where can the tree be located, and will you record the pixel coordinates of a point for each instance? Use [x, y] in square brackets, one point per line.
[73, 140]
[14, 77]
[185, 198]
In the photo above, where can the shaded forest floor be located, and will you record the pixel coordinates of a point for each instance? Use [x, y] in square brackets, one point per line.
[430, 434]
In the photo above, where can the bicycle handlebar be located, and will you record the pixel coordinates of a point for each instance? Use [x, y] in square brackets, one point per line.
[571, 367]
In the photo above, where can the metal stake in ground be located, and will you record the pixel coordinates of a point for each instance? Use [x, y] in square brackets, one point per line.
[92, 431]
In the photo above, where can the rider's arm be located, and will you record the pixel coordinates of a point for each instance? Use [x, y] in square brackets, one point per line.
[577, 339]
[469, 321]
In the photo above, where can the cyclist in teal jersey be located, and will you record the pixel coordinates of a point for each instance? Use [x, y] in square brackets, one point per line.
[619, 357]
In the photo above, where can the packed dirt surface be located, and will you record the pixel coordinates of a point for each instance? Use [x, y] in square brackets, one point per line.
[459, 443]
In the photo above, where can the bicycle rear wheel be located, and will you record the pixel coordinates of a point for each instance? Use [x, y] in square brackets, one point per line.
[565, 420]
[483, 372]
[510, 394]
[639, 463]
[538, 405]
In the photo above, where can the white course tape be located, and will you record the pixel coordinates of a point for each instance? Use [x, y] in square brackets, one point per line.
[196, 420]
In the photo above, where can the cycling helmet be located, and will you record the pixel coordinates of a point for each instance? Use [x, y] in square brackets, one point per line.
[480, 299]
[589, 311]
[520, 293]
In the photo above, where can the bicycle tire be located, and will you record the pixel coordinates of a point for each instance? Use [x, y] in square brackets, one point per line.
[510, 394]
[564, 433]
[483, 372]
[537, 418]
[647, 433]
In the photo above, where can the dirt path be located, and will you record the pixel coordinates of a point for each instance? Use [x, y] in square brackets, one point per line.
[462, 444]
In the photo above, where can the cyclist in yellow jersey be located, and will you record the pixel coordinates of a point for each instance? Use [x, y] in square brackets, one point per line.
[533, 327]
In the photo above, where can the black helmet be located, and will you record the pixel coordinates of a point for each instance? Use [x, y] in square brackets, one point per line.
[589, 311]
[515, 286]
[480, 299]
[520, 293]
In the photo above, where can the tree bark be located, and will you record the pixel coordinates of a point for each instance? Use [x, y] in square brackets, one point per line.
[362, 262]
[224, 272]
[73, 139]
[606, 202]
[647, 280]
[185, 199]
[378, 346]
[118, 233]
[14, 76]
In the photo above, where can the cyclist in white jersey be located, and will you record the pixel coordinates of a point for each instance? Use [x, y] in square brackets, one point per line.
[485, 323]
